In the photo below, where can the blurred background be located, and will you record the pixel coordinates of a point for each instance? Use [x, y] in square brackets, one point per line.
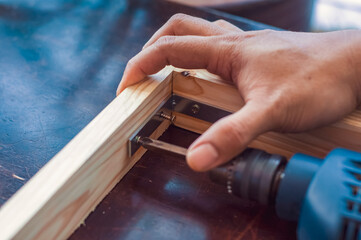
[295, 15]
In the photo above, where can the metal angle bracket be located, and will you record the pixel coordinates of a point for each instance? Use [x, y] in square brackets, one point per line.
[197, 110]
[177, 104]
[150, 125]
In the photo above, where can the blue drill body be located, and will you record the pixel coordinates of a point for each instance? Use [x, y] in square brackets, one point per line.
[324, 195]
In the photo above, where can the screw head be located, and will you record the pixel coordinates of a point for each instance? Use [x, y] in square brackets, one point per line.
[195, 108]
[137, 139]
[186, 73]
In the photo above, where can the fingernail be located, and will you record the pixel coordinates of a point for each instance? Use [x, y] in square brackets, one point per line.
[145, 45]
[120, 87]
[202, 158]
[118, 90]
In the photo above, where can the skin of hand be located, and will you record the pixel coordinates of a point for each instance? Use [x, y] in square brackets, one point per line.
[290, 82]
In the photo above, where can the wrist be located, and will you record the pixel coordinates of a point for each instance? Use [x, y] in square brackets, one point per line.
[352, 39]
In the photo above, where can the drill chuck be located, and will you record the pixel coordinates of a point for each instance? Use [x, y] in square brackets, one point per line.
[253, 175]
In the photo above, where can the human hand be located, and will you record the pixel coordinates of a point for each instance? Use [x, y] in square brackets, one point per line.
[289, 81]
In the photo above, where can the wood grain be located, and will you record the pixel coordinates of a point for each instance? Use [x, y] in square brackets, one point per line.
[60, 196]
[190, 123]
[214, 91]
[207, 88]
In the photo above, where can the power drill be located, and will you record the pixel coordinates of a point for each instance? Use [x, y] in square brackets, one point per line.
[324, 195]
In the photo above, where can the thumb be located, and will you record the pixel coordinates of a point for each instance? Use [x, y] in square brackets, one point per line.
[228, 137]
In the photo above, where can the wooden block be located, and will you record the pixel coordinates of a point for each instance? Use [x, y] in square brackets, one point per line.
[190, 123]
[207, 88]
[214, 91]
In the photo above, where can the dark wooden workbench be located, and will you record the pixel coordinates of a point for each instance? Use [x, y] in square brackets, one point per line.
[60, 64]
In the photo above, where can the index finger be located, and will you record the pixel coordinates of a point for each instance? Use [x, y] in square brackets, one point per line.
[191, 52]
[181, 24]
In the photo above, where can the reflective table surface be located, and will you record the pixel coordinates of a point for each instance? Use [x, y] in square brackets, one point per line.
[60, 62]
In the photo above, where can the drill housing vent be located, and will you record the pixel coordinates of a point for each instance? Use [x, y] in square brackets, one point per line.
[352, 205]
[332, 205]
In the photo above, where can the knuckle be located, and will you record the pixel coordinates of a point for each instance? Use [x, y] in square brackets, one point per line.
[130, 63]
[229, 57]
[240, 131]
[229, 27]
[266, 31]
[221, 22]
[133, 65]
[165, 41]
[178, 19]
[233, 37]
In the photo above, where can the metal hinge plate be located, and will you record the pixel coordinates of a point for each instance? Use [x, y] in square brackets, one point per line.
[165, 110]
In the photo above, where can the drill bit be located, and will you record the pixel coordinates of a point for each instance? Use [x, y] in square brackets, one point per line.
[254, 174]
[161, 147]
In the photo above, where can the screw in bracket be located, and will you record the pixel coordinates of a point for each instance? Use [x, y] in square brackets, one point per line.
[186, 73]
[195, 108]
[167, 116]
[137, 139]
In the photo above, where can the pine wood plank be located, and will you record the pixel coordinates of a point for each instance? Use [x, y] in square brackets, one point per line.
[207, 88]
[190, 123]
[60, 196]
[201, 86]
